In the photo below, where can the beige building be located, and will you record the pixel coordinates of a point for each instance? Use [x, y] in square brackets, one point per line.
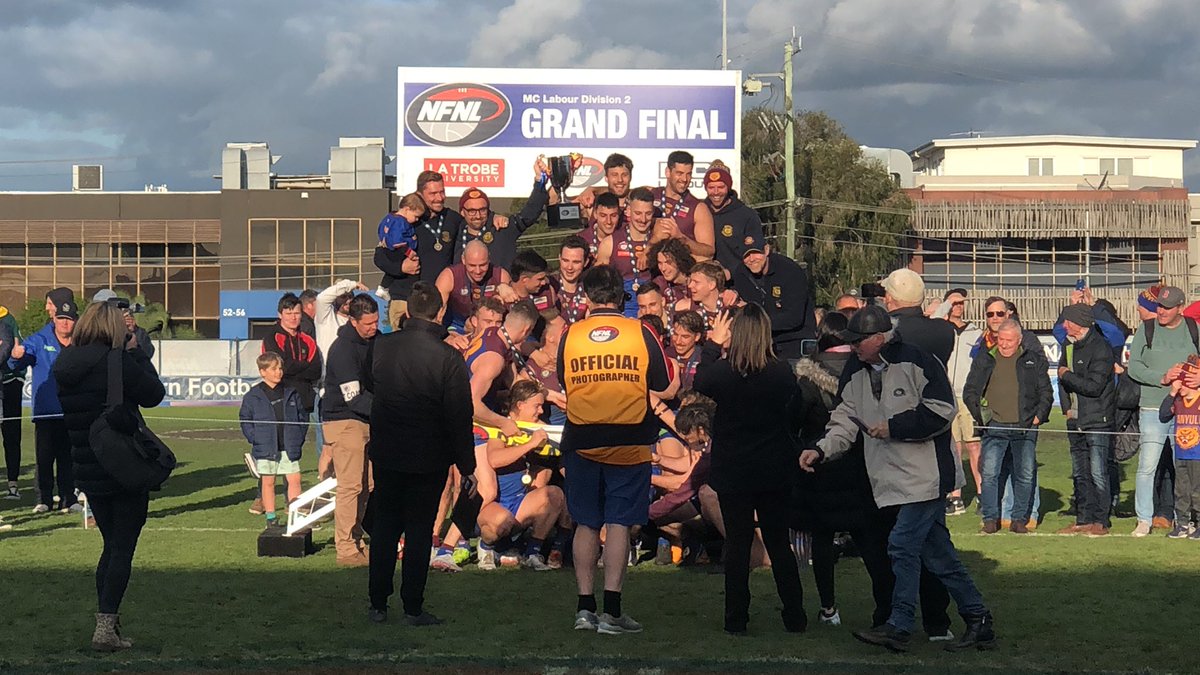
[1026, 217]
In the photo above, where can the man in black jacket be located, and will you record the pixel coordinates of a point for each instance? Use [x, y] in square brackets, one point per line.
[420, 425]
[780, 286]
[1009, 393]
[346, 411]
[734, 224]
[482, 224]
[1088, 395]
[904, 291]
[402, 267]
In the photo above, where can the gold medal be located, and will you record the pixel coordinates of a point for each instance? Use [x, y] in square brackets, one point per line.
[437, 246]
[487, 237]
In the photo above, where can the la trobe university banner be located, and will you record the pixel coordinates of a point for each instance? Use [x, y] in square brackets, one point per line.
[484, 127]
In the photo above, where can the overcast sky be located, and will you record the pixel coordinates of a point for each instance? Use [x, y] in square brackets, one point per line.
[157, 87]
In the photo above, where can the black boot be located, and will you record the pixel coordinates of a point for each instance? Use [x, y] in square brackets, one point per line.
[980, 634]
[884, 636]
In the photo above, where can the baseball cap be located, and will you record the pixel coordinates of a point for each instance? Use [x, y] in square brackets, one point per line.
[104, 295]
[1170, 297]
[905, 285]
[868, 321]
[753, 243]
[66, 310]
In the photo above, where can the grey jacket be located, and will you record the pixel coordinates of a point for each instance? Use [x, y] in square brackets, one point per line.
[915, 463]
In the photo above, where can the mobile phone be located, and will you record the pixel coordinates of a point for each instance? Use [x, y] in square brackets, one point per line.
[808, 347]
[1080, 284]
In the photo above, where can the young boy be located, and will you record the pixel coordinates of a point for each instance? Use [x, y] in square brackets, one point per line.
[275, 424]
[1184, 405]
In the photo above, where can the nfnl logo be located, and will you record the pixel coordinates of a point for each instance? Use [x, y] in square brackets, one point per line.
[458, 114]
[603, 334]
[589, 174]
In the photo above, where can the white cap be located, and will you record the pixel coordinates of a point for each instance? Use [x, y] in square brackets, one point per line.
[906, 286]
[104, 295]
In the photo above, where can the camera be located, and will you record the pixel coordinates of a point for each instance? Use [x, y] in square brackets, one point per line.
[872, 290]
[124, 304]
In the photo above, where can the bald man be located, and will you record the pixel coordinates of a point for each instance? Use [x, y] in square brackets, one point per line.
[465, 283]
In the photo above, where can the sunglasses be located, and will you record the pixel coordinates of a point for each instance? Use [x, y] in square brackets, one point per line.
[996, 315]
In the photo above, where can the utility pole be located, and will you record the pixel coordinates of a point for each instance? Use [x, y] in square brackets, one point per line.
[724, 34]
[789, 146]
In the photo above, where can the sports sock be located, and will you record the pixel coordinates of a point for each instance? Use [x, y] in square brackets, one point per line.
[612, 603]
[445, 550]
[586, 603]
[270, 517]
[562, 539]
[484, 546]
[533, 546]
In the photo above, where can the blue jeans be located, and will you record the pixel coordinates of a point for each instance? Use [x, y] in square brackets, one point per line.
[1089, 470]
[1153, 434]
[315, 417]
[1019, 444]
[920, 537]
[1006, 500]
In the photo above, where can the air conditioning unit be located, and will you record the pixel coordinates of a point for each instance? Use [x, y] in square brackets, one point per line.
[87, 177]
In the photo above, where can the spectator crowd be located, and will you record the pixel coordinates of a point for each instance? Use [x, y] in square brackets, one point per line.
[850, 424]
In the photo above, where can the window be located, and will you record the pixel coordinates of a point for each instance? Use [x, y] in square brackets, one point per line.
[292, 253]
[1121, 166]
[1041, 166]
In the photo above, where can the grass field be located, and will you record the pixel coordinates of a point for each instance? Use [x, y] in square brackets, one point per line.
[200, 599]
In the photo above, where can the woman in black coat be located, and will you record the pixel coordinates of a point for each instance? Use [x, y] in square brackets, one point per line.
[837, 496]
[754, 458]
[82, 375]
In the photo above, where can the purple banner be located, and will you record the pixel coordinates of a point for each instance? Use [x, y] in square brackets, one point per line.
[465, 114]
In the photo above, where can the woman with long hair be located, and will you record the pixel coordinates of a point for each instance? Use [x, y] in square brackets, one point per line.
[82, 376]
[754, 458]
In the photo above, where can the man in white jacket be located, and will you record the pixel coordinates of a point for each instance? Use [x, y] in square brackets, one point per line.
[332, 312]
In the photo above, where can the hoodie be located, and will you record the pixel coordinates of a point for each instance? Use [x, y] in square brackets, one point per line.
[732, 224]
[345, 398]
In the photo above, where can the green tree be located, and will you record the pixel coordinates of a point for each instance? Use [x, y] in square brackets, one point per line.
[853, 225]
[33, 316]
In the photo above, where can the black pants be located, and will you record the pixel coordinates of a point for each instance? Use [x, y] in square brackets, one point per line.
[872, 548]
[738, 511]
[402, 503]
[935, 599]
[10, 407]
[53, 447]
[120, 518]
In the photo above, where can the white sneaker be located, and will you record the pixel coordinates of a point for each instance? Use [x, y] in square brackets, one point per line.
[4, 527]
[444, 563]
[944, 637]
[585, 620]
[251, 465]
[830, 616]
[41, 508]
[1142, 529]
[509, 560]
[487, 559]
[616, 625]
[74, 508]
[536, 562]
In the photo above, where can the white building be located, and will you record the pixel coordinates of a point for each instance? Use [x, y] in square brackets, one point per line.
[1026, 217]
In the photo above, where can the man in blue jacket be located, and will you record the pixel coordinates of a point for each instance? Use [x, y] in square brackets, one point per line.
[40, 351]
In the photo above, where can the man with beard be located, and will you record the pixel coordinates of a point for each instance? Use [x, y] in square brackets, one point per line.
[466, 283]
[607, 214]
[780, 286]
[683, 215]
[479, 221]
[627, 249]
[734, 223]
[572, 259]
[618, 175]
